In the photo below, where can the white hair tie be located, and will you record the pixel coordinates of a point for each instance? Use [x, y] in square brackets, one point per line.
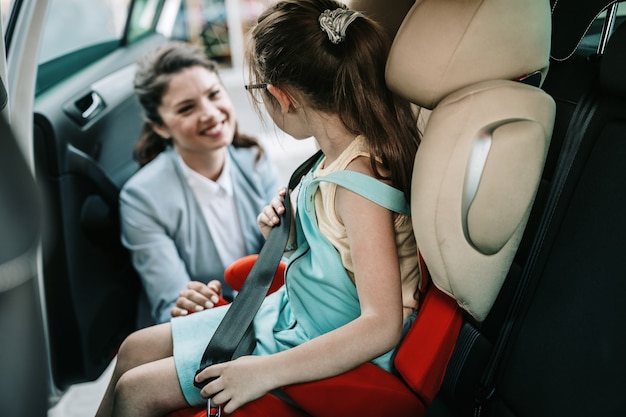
[335, 22]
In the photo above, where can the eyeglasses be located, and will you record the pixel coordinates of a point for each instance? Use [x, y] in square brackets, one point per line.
[255, 86]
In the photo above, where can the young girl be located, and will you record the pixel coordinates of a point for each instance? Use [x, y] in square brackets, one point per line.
[350, 283]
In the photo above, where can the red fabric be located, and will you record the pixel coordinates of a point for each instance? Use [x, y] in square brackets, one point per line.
[364, 391]
[236, 274]
[188, 412]
[424, 354]
[421, 361]
[266, 406]
[220, 302]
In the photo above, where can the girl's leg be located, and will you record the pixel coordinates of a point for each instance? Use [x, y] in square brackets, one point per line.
[151, 389]
[143, 346]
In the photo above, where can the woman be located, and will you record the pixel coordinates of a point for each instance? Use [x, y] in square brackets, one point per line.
[190, 210]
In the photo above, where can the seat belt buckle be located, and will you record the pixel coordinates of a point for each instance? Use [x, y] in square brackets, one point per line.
[213, 411]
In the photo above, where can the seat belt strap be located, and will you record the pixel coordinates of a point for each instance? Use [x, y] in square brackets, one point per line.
[234, 336]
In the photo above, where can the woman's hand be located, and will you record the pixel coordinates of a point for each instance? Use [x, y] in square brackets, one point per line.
[237, 382]
[270, 216]
[197, 296]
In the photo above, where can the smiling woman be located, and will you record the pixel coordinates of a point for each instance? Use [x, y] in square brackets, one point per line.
[191, 210]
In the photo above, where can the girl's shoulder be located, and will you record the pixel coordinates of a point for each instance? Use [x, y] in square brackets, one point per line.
[373, 189]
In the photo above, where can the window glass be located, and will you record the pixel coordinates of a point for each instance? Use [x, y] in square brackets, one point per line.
[92, 22]
[5, 8]
[591, 41]
[144, 18]
[219, 26]
[621, 14]
[79, 32]
[205, 23]
[98, 28]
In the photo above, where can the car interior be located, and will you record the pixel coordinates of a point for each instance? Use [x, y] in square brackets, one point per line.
[517, 193]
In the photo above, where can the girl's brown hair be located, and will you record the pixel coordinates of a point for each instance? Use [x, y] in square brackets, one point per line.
[152, 78]
[288, 48]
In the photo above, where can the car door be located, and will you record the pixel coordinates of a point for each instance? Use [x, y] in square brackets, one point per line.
[84, 131]
[23, 356]
[70, 65]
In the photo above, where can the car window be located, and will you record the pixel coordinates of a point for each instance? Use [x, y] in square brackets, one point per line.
[5, 8]
[205, 23]
[80, 32]
[591, 43]
[219, 26]
[92, 22]
[68, 48]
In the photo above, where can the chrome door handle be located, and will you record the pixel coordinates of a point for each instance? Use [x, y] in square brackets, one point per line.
[94, 103]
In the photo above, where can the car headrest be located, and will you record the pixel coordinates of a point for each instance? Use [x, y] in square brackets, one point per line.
[571, 20]
[613, 65]
[445, 45]
[389, 14]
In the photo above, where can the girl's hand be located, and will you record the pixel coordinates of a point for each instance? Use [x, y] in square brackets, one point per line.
[269, 217]
[197, 296]
[236, 383]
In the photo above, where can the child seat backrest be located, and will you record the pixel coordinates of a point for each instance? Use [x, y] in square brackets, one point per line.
[485, 142]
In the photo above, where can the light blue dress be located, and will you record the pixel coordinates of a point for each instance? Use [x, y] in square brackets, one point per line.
[318, 295]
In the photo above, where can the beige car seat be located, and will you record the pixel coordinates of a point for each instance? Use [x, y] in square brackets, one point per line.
[483, 148]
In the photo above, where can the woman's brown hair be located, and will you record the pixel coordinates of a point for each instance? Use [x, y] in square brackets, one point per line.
[152, 78]
[288, 48]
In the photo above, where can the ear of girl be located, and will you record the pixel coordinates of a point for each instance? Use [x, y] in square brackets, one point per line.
[285, 99]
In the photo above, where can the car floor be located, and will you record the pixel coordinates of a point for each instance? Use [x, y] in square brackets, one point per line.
[82, 400]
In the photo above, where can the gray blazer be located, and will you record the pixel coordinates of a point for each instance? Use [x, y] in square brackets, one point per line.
[164, 229]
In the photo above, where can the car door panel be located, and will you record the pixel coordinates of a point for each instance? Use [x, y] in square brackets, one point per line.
[23, 368]
[85, 129]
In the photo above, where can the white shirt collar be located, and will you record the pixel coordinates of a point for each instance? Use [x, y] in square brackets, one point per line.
[195, 179]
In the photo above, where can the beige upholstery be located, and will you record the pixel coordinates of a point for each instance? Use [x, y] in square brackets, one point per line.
[484, 145]
[445, 45]
[388, 13]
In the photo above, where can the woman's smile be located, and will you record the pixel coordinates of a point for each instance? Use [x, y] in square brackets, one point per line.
[213, 130]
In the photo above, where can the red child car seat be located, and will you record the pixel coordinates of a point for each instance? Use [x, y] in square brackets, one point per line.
[476, 174]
